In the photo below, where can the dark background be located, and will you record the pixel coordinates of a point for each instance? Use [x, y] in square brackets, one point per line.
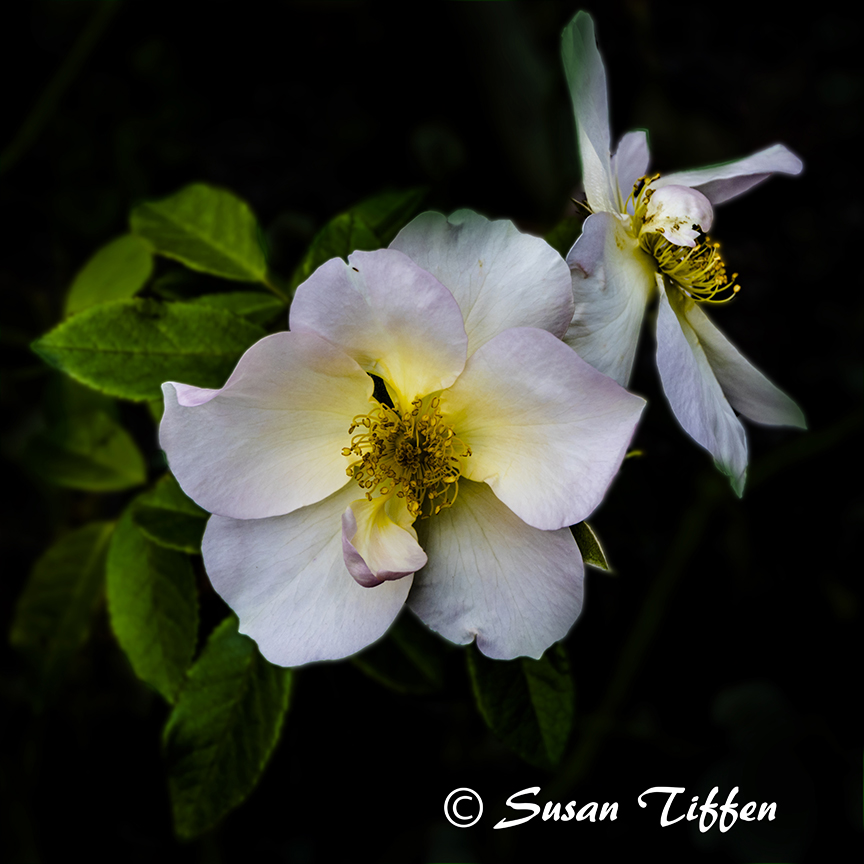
[722, 652]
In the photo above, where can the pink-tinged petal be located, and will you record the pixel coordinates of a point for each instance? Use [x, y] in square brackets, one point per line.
[693, 391]
[748, 391]
[500, 277]
[492, 577]
[586, 79]
[287, 581]
[547, 431]
[613, 280]
[271, 439]
[379, 542]
[719, 183]
[395, 319]
[629, 163]
[673, 211]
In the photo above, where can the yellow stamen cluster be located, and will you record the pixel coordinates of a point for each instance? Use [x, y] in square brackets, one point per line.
[699, 271]
[414, 453]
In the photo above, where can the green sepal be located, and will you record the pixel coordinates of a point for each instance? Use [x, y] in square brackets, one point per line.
[528, 704]
[223, 729]
[205, 228]
[117, 271]
[589, 546]
[409, 659]
[55, 609]
[165, 515]
[153, 607]
[127, 348]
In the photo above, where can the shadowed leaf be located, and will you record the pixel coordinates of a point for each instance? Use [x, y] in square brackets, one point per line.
[408, 659]
[527, 703]
[166, 516]
[223, 729]
[369, 225]
[55, 609]
[88, 451]
[153, 605]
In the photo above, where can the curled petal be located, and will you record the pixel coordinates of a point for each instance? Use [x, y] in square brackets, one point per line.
[747, 389]
[492, 578]
[630, 162]
[586, 79]
[271, 439]
[613, 279]
[721, 182]
[674, 210]
[500, 277]
[693, 391]
[379, 542]
[395, 319]
[547, 431]
[286, 579]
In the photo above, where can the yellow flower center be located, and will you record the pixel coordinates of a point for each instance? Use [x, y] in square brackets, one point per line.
[414, 453]
[699, 271]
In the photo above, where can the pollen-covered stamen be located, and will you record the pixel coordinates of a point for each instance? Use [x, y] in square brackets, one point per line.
[700, 272]
[689, 258]
[415, 453]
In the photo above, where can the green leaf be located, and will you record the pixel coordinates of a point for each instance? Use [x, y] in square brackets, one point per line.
[562, 237]
[223, 729]
[55, 609]
[129, 347]
[117, 271]
[589, 546]
[257, 306]
[205, 228]
[527, 703]
[340, 237]
[388, 212]
[86, 451]
[369, 225]
[167, 517]
[408, 659]
[153, 605]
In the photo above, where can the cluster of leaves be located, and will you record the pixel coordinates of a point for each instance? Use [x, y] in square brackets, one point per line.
[124, 333]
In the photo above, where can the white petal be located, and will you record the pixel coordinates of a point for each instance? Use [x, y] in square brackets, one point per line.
[629, 163]
[500, 277]
[271, 439]
[547, 431]
[379, 542]
[492, 577]
[693, 391]
[721, 182]
[747, 389]
[613, 280]
[286, 580]
[586, 78]
[673, 210]
[395, 319]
